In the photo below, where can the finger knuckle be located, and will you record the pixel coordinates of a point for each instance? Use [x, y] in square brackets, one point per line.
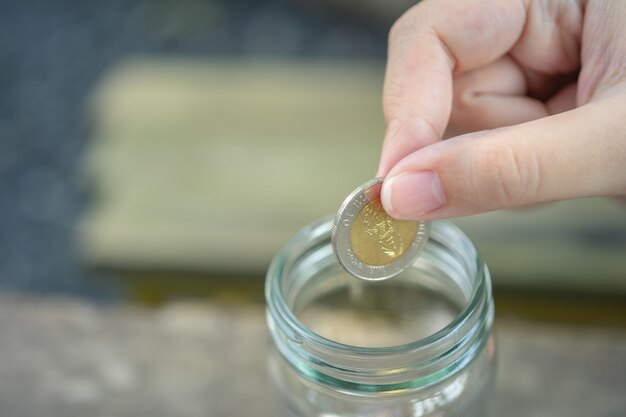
[399, 29]
[406, 24]
[464, 97]
[505, 175]
[462, 105]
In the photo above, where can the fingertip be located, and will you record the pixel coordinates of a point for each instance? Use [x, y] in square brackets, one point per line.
[410, 195]
[404, 135]
[383, 169]
[385, 197]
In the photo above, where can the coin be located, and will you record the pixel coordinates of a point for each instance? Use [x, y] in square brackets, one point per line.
[369, 243]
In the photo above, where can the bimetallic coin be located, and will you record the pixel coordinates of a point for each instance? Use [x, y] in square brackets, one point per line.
[369, 243]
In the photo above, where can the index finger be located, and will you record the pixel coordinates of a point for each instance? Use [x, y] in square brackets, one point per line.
[429, 43]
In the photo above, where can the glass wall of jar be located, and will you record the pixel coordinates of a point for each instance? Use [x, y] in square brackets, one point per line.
[418, 344]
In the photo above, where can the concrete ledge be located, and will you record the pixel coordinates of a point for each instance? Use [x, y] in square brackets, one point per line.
[66, 358]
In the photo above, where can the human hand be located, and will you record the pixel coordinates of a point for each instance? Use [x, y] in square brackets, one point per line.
[541, 83]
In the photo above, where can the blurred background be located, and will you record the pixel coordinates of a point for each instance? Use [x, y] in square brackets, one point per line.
[154, 155]
[55, 57]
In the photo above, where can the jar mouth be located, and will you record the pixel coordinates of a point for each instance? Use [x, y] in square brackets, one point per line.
[414, 363]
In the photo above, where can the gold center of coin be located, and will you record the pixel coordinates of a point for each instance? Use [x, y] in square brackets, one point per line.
[377, 239]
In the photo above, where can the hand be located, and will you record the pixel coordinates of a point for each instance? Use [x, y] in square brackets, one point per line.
[541, 83]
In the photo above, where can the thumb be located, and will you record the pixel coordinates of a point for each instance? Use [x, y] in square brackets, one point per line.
[578, 153]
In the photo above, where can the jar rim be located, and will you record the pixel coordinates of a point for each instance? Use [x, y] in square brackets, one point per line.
[461, 330]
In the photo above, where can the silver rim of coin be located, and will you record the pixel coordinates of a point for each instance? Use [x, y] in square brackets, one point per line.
[340, 237]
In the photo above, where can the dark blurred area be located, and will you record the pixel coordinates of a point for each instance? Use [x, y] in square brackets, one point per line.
[51, 56]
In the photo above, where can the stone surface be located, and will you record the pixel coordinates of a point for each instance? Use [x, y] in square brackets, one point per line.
[64, 358]
[67, 358]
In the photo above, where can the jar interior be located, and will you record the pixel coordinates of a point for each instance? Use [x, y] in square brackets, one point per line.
[409, 307]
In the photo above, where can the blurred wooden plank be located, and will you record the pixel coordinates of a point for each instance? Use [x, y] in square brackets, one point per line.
[203, 165]
[575, 245]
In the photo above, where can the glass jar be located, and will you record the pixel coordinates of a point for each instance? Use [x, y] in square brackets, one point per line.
[418, 344]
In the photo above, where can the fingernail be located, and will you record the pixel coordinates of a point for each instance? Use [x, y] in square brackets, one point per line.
[412, 194]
